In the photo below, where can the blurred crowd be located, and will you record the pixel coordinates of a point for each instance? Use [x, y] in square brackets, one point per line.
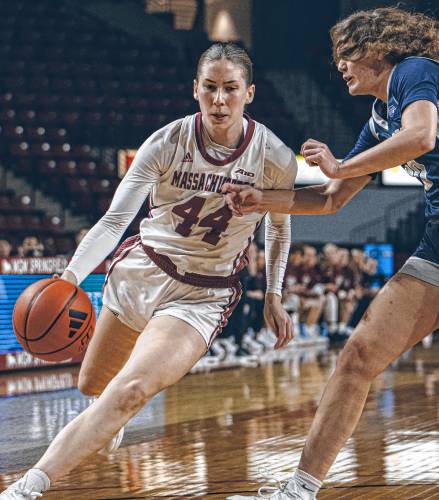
[325, 293]
[33, 246]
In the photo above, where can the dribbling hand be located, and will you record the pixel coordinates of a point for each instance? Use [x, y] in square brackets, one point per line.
[67, 276]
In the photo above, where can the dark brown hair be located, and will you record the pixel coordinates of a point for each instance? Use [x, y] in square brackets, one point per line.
[391, 31]
[233, 53]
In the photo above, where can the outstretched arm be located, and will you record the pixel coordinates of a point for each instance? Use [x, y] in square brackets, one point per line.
[321, 199]
[416, 137]
[134, 188]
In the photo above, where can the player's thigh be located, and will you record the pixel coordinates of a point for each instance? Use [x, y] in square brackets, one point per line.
[404, 311]
[165, 351]
[108, 351]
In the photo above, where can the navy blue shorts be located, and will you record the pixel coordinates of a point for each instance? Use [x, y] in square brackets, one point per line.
[428, 248]
[424, 263]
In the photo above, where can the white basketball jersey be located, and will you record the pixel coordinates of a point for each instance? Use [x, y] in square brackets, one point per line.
[188, 220]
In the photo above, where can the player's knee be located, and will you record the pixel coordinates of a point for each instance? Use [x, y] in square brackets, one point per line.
[89, 384]
[132, 393]
[357, 359]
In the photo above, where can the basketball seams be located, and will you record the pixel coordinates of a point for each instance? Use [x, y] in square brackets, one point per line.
[67, 304]
[27, 310]
[91, 315]
[30, 306]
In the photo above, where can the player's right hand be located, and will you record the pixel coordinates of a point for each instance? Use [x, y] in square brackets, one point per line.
[242, 199]
[68, 276]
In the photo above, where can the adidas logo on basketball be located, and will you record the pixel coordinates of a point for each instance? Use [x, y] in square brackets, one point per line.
[187, 158]
[77, 319]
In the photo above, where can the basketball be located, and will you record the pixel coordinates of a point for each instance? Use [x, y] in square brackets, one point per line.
[53, 320]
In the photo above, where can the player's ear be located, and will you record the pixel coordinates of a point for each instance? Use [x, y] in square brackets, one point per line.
[250, 94]
[195, 89]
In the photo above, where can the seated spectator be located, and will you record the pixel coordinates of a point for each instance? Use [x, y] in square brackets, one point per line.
[328, 267]
[256, 286]
[366, 290]
[79, 236]
[31, 247]
[5, 249]
[312, 294]
[345, 281]
[293, 287]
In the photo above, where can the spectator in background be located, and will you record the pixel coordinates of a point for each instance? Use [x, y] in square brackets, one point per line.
[31, 247]
[293, 287]
[346, 291]
[5, 249]
[257, 284]
[312, 294]
[328, 266]
[253, 297]
[367, 288]
[79, 236]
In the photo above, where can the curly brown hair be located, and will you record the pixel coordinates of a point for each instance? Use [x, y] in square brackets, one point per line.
[391, 31]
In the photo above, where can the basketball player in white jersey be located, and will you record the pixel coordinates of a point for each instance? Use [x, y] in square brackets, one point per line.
[170, 290]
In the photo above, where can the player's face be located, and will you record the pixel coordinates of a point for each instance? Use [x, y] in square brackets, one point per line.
[364, 76]
[222, 93]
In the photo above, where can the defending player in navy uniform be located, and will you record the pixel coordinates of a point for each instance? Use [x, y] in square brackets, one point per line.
[392, 55]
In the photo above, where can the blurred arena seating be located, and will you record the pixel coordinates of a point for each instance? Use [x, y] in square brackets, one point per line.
[72, 88]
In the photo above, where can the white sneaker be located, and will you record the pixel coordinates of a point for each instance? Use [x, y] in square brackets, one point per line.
[29, 487]
[112, 446]
[278, 490]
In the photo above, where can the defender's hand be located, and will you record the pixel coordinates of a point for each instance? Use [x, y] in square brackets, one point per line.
[242, 199]
[318, 154]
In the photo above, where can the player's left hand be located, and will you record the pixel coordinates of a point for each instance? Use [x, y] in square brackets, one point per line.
[318, 154]
[277, 319]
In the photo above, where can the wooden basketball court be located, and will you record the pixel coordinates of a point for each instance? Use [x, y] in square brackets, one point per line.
[209, 436]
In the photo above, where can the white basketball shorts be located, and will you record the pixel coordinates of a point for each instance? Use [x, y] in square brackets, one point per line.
[136, 290]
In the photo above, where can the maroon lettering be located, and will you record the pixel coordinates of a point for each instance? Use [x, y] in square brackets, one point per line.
[183, 180]
[195, 182]
[176, 178]
[201, 183]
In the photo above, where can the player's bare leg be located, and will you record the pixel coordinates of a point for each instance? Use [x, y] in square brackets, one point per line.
[403, 312]
[108, 351]
[165, 351]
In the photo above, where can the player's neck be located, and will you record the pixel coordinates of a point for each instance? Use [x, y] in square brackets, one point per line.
[230, 138]
[382, 83]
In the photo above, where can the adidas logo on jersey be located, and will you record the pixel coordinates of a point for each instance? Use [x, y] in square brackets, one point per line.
[244, 172]
[187, 158]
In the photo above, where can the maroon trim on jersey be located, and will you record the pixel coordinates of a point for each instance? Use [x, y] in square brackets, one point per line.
[194, 279]
[228, 310]
[129, 244]
[241, 260]
[236, 154]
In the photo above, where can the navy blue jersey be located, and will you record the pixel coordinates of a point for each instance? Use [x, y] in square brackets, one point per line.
[413, 79]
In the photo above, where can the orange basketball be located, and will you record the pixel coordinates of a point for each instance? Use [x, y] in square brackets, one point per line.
[54, 320]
